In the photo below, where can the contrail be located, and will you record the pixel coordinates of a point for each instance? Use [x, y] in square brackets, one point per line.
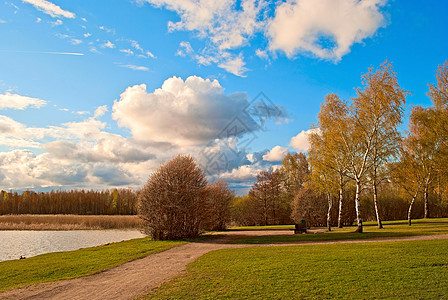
[45, 52]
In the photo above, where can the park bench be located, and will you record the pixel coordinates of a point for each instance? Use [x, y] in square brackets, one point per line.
[300, 228]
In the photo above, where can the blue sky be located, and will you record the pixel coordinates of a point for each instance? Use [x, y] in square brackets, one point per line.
[97, 94]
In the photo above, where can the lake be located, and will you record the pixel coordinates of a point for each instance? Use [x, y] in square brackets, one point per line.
[16, 243]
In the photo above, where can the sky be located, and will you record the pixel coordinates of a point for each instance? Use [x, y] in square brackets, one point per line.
[98, 94]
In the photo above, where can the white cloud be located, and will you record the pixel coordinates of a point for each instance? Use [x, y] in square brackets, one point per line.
[100, 111]
[81, 112]
[219, 21]
[300, 142]
[15, 101]
[75, 41]
[150, 54]
[234, 65]
[261, 54]
[276, 154]
[38, 20]
[108, 44]
[2, 21]
[189, 112]
[242, 173]
[56, 23]
[86, 35]
[84, 19]
[127, 51]
[184, 49]
[50, 9]
[225, 26]
[325, 28]
[94, 50]
[135, 68]
[108, 30]
[62, 36]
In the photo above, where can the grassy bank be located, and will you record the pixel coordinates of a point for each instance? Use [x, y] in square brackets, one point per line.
[71, 264]
[269, 227]
[412, 269]
[67, 222]
[348, 233]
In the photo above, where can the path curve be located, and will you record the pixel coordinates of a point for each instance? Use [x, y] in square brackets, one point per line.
[140, 276]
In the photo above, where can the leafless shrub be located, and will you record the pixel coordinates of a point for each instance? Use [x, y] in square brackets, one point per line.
[219, 198]
[311, 206]
[172, 203]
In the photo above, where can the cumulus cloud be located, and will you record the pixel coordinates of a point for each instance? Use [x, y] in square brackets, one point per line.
[225, 24]
[100, 111]
[242, 173]
[188, 112]
[50, 9]
[276, 154]
[325, 28]
[219, 21]
[82, 154]
[15, 101]
[300, 142]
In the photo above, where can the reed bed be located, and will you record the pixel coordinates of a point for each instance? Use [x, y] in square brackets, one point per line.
[68, 222]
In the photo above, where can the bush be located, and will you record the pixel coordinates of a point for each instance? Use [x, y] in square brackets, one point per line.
[219, 198]
[173, 202]
[311, 206]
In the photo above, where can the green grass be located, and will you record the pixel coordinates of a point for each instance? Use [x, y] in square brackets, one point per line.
[270, 227]
[411, 269]
[435, 220]
[348, 233]
[71, 264]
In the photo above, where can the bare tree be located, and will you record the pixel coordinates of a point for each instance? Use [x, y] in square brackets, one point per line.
[218, 206]
[266, 192]
[172, 203]
[310, 205]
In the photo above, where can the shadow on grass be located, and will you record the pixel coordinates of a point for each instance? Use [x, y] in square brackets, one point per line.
[390, 231]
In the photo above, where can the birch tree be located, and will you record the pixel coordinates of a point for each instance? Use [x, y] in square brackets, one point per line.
[327, 155]
[375, 114]
[409, 173]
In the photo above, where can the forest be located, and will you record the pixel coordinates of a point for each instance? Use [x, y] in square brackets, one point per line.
[361, 166]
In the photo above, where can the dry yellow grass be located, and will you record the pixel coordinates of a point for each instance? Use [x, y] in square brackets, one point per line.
[67, 222]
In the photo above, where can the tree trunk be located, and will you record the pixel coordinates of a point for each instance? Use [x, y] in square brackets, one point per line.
[340, 207]
[410, 209]
[426, 201]
[375, 201]
[330, 204]
[358, 208]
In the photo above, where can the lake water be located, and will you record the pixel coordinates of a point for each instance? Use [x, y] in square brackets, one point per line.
[16, 243]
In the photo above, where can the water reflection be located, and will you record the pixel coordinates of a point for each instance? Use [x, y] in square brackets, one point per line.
[14, 244]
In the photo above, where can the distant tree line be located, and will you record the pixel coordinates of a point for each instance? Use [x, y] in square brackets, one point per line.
[80, 202]
[360, 166]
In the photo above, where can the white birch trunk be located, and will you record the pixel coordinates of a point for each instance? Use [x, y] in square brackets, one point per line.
[357, 206]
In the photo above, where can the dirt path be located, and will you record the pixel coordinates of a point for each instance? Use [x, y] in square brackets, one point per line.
[140, 276]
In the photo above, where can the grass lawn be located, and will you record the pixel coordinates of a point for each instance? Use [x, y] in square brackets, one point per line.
[71, 264]
[269, 227]
[410, 269]
[347, 233]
